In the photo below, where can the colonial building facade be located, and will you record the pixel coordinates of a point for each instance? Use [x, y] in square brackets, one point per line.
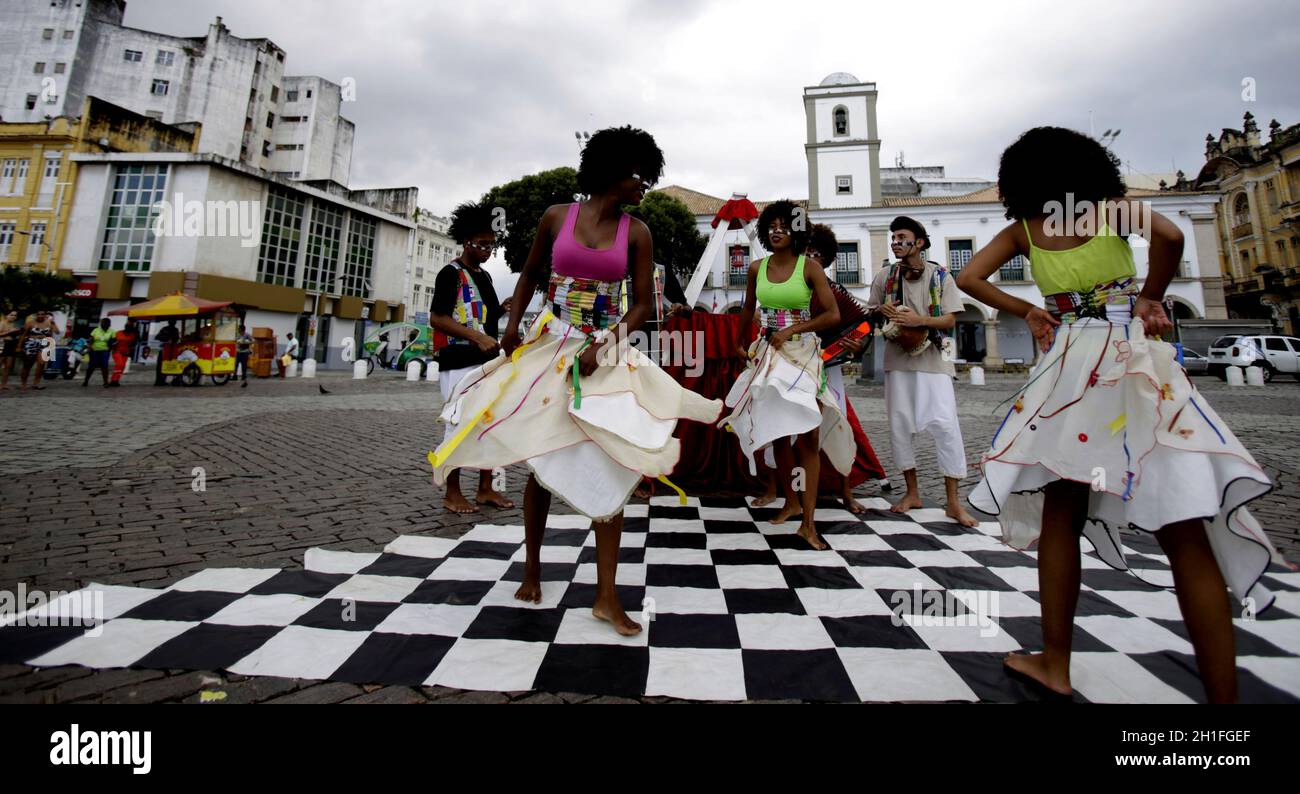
[848, 194]
[1258, 223]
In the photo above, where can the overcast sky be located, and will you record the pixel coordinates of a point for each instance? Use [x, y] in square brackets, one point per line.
[455, 97]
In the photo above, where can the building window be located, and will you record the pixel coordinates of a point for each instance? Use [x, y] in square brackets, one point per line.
[360, 256]
[289, 147]
[419, 272]
[1241, 211]
[309, 93]
[35, 243]
[160, 88]
[133, 56]
[13, 179]
[281, 237]
[419, 249]
[738, 266]
[129, 230]
[266, 148]
[156, 115]
[1015, 270]
[959, 254]
[31, 101]
[291, 95]
[68, 34]
[841, 116]
[324, 239]
[39, 67]
[843, 185]
[52, 164]
[275, 93]
[1281, 254]
[1270, 189]
[6, 240]
[165, 58]
[48, 34]
[60, 68]
[270, 120]
[847, 270]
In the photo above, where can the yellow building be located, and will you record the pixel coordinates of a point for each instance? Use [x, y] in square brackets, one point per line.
[1259, 220]
[37, 174]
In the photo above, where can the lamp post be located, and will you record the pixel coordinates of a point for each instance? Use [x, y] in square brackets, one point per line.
[49, 258]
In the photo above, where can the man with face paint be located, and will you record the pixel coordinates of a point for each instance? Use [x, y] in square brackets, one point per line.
[909, 294]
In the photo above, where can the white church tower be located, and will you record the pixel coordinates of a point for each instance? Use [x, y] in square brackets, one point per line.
[843, 144]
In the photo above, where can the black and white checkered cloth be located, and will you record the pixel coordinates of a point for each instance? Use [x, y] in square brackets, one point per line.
[902, 608]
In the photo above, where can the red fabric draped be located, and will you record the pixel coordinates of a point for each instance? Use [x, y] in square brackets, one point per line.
[711, 458]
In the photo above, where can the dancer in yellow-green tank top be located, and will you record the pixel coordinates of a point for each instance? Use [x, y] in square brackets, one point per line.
[1109, 433]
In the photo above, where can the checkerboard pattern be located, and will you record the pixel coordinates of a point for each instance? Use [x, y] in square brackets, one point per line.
[902, 608]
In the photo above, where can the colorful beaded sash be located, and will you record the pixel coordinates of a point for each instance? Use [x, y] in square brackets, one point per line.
[586, 304]
[1072, 306]
[776, 319]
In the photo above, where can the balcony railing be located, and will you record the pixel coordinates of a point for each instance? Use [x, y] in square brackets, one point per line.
[1242, 230]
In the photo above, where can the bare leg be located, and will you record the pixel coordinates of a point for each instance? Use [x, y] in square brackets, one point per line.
[846, 496]
[537, 504]
[6, 364]
[808, 447]
[455, 501]
[954, 510]
[1202, 599]
[487, 495]
[784, 453]
[607, 606]
[912, 499]
[1064, 511]
[769, 493]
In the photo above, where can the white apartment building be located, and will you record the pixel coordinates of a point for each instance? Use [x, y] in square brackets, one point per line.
[54, 53]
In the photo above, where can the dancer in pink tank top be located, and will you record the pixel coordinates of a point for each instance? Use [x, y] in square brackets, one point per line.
[587, 413]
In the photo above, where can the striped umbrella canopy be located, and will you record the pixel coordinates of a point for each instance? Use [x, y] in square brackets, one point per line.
[174, 305]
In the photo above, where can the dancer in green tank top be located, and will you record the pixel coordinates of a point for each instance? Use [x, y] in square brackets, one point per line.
[1109, 432]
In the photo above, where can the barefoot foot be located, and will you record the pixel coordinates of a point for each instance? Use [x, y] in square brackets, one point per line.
[530, 590]
[610, 610]
[852, 505]
[457, 504]
[1034, 667]
[495, 498]
[958, 513]
[788, 510]
[810, 534]
[764, 500]
[910, 501]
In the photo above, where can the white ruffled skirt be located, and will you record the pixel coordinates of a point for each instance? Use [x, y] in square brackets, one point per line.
[782, 393]
[591, 455]
[1109, 407]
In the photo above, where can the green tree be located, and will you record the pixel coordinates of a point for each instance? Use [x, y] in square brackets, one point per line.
[524, 201]
[25, 290]
[678, 243]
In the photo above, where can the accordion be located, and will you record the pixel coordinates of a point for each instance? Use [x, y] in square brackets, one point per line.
[855, 324]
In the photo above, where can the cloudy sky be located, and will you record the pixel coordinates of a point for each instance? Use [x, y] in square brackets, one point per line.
[455, 97]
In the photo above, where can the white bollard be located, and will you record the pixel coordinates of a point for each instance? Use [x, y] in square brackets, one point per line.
[359, 370]
[1254, 376]
[291, 371]
[1235, 378]
[977, 376]
[431, 372]
[309, 368]
[413, 372]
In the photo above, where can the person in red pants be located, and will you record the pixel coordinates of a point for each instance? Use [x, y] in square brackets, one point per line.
[123, 345]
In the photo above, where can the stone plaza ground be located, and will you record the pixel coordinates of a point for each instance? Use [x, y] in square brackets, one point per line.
[99, 485]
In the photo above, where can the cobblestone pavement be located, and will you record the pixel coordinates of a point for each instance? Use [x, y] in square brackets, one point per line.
[97, 485]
